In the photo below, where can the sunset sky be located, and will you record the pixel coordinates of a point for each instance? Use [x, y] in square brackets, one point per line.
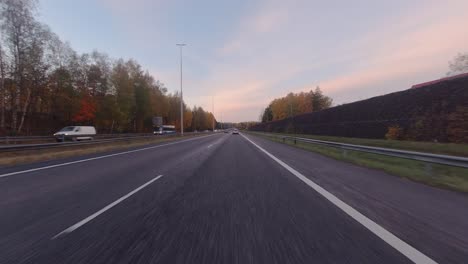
[246, 53]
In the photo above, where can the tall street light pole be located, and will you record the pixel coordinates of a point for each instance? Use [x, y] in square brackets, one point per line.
[212, 110]
[181, 45]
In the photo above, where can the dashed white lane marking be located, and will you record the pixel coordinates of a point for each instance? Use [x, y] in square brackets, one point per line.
[91, 217]
[398, 244]
[217, 142]
[96, 158]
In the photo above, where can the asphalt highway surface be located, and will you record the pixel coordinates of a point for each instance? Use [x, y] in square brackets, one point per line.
[224, 198]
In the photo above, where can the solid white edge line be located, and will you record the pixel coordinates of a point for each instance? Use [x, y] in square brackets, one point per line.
[96, 158]
[91, 217]
[398, 244]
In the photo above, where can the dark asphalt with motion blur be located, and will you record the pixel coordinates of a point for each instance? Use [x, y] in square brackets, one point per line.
[221, 200]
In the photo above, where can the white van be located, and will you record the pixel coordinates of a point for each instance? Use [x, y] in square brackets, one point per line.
[75, 133]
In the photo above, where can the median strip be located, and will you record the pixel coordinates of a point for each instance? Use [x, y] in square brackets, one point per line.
[97, 158]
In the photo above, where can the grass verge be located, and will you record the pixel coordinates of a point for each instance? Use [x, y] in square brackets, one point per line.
[436, 175]
[429, 147]
[29, 156]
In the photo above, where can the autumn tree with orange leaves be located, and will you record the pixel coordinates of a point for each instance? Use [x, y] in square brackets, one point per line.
[46, 85]
[295, 104]
[87, 111]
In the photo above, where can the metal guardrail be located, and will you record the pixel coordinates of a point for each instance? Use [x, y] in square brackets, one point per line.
[16, 139]
[448, 160]
[20, 147]
[20, 139]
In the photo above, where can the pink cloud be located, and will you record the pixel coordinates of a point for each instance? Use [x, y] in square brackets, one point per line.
[404, 53]
[243, 88]
[414, 45]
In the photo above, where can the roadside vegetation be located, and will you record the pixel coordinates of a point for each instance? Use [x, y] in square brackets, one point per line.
[434, 111]
[296, 104]
[448, 177]
[46, 85]
[429, 147]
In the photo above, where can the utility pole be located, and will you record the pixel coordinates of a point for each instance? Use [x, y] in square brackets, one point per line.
[2, 87]
[181, 45]
[212, 110]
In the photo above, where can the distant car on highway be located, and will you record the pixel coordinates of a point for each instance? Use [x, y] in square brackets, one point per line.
[75, 133]
[235, 132]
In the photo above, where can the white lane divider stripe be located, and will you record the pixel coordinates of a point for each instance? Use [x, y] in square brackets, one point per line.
[91, 217]
[216, 142]
[398, 244]
[97, 158]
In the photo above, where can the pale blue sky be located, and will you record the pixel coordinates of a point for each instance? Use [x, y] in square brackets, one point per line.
[248, 52]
